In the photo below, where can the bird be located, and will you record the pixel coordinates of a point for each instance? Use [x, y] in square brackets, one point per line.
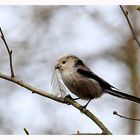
[84, 83]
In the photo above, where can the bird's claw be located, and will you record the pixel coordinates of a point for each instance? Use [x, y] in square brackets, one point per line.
[81, 108]
[67, 96]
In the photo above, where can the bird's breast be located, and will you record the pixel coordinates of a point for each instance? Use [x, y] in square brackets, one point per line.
[83, 87]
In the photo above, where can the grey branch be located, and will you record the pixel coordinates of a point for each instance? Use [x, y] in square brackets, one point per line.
[79, 133]
[66, 100]
[9, 53]
[130, 25]
[124, 117]
[26, 131]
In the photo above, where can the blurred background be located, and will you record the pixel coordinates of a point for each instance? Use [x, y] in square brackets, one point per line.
[38, 35]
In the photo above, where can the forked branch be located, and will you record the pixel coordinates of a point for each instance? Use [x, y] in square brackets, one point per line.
[130, 25]
[9, 53]
[65, 100]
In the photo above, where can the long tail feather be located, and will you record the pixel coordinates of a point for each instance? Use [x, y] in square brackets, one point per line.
[123, 95]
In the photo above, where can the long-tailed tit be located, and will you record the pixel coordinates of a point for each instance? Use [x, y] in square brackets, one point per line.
[85, 84]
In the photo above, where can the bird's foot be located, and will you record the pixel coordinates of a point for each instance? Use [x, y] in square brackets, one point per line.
[68, 96]
[81, 108]
[84, 107]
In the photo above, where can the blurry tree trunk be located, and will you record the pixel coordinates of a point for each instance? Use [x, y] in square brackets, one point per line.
[132, 62]
[132, 65]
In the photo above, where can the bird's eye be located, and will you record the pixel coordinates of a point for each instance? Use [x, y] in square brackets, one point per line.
[79, 62]
[63, 62]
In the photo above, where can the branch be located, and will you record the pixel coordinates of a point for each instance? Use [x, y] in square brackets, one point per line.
[128, 118]
[89, 134]
[130, 25]
[26, 131]
[65, 100]
[9, 52]
[79, 133]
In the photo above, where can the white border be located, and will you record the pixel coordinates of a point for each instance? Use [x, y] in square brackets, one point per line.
[69, 2]
[69, 137]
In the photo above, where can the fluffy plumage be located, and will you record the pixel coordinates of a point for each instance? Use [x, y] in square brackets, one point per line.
[84, 83]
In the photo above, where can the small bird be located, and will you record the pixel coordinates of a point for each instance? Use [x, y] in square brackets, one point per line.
[84, 83]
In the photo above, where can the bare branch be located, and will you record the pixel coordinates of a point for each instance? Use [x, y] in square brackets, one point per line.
[128, 118]
[89, 134]
[65, 100]
[79, 133]
[130, 25]
[26, 131]
[31, 88]
[9, 53]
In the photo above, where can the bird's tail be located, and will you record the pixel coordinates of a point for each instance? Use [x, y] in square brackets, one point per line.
[123, 95]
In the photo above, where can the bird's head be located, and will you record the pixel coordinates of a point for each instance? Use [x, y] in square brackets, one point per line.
[68, 62]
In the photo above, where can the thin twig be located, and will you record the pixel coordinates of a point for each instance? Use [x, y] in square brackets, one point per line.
[9, 53]
[79, 133]
[26, 131]
[89, 134]
[128, 118]
[130, 25]
[58, 99]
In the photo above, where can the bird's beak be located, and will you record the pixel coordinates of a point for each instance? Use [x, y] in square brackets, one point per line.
[57, 66]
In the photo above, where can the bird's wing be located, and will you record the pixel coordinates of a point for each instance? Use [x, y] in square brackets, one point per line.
[89, 74]
[86, 72]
